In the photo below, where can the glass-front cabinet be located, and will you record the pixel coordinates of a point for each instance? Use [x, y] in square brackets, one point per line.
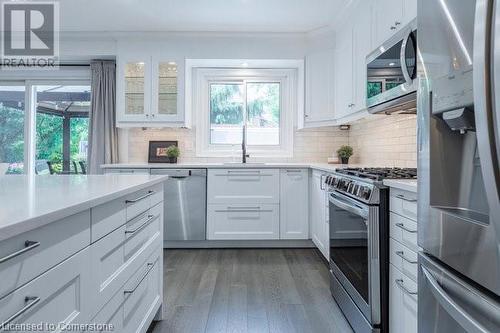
[164, 104]
[147, 93]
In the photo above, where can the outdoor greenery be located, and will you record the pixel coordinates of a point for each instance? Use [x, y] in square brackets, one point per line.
[263, 104]
[49, 138]
[12, 137]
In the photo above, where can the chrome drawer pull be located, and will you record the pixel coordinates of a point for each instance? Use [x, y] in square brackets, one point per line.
[150, 218]
[400, 284]
[32, 302]
[402, 256]
[150, 267]
[28, 246]
[140, 198]
[402, 226]
[402, 197]
[246, 208]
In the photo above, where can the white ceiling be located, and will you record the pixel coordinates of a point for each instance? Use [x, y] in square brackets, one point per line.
[198, 15]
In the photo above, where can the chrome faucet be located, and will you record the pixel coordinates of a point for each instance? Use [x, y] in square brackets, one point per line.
[244, 146]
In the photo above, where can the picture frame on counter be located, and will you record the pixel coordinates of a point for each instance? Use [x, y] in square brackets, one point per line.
[158, 152]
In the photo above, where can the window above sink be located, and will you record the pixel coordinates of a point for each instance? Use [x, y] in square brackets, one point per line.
[264, 101]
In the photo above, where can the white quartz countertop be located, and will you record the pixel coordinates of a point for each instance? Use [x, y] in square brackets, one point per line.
[318, 166]
[28, 202]
[402, 184]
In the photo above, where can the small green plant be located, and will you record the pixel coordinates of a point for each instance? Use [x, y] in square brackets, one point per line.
[173, 152]
[345, 152]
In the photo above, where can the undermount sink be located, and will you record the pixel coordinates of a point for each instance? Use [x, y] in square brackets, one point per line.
[244, 164]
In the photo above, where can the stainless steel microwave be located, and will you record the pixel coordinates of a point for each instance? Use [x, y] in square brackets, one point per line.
[391, 73]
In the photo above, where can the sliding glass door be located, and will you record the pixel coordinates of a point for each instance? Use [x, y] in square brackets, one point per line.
[12, 120]
[44, 127]
[62, 113]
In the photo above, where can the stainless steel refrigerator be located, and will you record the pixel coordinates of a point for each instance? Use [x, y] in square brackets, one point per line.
[458, 158]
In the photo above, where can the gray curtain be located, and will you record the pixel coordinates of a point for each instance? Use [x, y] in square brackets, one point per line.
[103, 135]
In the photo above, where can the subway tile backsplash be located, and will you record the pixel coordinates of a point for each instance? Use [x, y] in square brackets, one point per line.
[310, 145]
[381, 140]
[378, 140]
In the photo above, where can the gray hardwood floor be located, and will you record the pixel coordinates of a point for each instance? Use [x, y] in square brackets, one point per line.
[248, 290]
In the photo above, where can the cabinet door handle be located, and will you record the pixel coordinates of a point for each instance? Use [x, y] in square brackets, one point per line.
[401, 254]
[131, 291]
[397, 23]
[133, 231]
[140, 198]
[402, 197]
[400, 284]
[402, 226]
[393, 27]
[30, 301]
[28, 246]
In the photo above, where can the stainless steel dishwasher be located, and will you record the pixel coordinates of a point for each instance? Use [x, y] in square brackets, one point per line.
[185, 203]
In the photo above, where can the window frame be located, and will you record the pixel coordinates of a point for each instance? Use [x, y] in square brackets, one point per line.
[204, 77]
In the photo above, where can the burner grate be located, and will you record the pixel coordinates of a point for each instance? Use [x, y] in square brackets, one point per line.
[379, 174]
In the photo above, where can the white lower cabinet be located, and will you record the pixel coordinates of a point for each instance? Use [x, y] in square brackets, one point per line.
[58, 297]
[320, 231]
[115, 280]
[133, 307]
[402, 302]
[241, 186]
[403, 262]
[243, 221]
[294, 204]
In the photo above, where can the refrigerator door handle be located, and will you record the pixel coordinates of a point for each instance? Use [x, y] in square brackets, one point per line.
[484, 107]
[452, 308]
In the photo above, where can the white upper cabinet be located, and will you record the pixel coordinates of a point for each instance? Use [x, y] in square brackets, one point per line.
[409, 10]
[390, 16]
[344, 65]
[320, 98]
[147, 91]
[166, 106]
[133, 86]
[362, 46]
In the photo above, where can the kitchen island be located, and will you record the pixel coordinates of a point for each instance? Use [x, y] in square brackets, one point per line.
[81, 252]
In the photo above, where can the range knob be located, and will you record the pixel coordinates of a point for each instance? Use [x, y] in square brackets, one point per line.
[365, 192]
[355, 190]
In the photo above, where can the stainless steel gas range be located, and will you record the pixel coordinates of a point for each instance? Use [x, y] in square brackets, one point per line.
[359, 243]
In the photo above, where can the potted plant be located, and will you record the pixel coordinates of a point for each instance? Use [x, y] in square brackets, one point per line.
[344, 153]
[172, 153]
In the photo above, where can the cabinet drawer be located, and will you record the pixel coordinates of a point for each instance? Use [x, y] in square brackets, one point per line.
[117, 255]
[403, 203]
[28, 255]
[404, 259]
[243, 186]
[127, 171]
[59, 296]
[142, 295]
[404, 231]
[402, 302]
[111, 215]
[140, 201]
[136, 301]
[243, 222]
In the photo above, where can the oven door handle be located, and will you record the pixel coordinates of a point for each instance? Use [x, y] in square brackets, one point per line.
[348, 205]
